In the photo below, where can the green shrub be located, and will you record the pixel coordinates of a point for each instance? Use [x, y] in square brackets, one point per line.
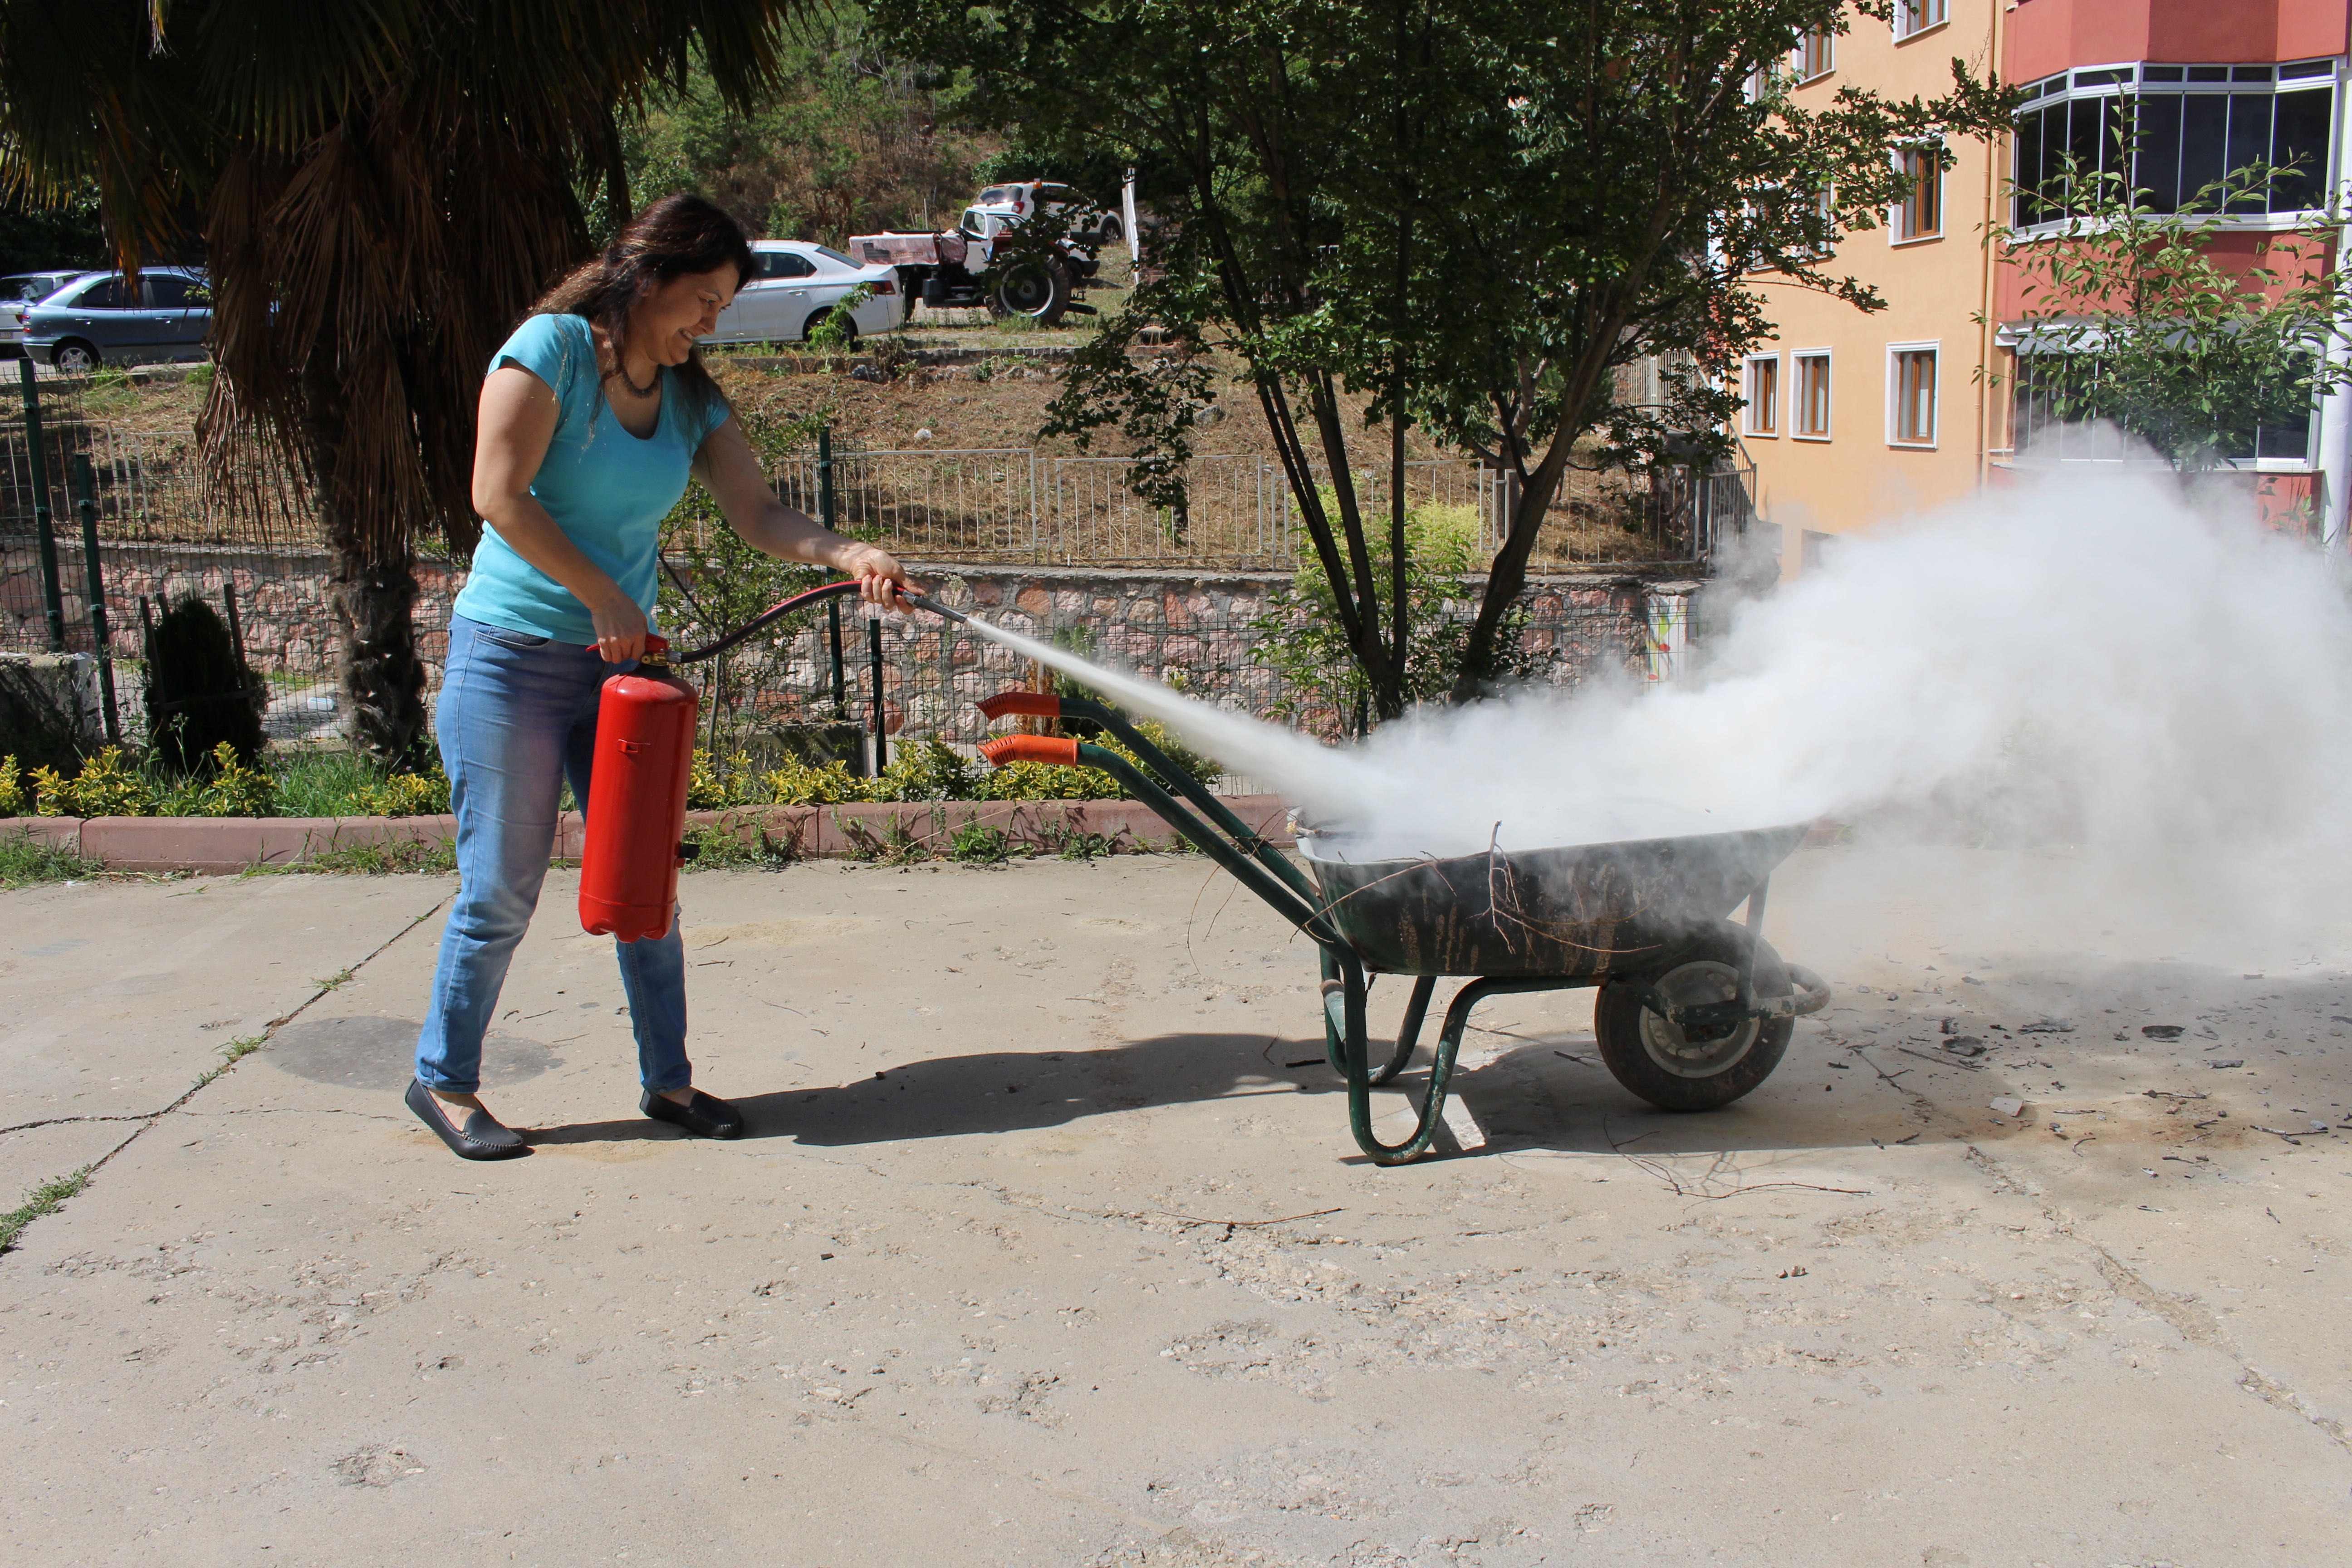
[714, 784]
[425, 793]
[107, 785]
[929, 770]
[1299, 636]
[805, 784]
[232, 789]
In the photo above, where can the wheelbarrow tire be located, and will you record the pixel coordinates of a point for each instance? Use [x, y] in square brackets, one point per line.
[1678, 1072]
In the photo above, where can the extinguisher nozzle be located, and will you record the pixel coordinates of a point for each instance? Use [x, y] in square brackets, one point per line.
[921, 602]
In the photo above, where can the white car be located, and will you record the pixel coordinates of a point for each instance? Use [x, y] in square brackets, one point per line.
[797, 286]
[18, 293]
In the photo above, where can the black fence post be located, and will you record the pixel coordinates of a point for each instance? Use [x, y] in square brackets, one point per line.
[840, 674]
[825, 476]
[86, 489]
[874, 661]
[235, 626]
[44, 521]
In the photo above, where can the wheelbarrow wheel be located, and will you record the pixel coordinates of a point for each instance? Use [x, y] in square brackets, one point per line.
[1699, 1068]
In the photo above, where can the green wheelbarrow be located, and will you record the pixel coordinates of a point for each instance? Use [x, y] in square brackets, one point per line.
[1693, 1009]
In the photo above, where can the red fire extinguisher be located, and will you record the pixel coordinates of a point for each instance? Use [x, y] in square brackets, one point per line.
[637, 799]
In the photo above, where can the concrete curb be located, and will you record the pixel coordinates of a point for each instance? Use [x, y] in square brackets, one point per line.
[228, 844]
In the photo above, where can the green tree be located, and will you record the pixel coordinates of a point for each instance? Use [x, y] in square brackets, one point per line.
[2131, 316]
[1472, 212]
[71, 233]
[385, 185]
[847, 141]
[1298, 635]
[722, 583]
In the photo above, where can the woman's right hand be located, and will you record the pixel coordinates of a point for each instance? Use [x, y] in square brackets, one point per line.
[621, 628]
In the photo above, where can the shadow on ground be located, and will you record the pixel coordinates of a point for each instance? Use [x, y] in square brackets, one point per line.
[1530, 1097]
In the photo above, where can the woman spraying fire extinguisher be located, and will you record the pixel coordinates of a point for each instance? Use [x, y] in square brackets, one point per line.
[592, 414]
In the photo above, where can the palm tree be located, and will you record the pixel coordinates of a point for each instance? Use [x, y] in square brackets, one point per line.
[381, 188]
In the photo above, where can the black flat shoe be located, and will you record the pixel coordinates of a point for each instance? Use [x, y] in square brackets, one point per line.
[482, 1138]
[704, 1115]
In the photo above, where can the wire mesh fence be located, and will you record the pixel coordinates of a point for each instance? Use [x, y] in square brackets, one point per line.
[1200, 635]
[1060, 548]
[76, 487]
[1016, 504]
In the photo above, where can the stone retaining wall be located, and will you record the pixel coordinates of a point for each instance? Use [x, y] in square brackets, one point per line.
[1158, 621]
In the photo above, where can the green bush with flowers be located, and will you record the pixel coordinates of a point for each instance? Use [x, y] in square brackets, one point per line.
[110, 783]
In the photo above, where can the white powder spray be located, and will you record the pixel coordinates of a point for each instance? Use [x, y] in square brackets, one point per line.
[2086, 661]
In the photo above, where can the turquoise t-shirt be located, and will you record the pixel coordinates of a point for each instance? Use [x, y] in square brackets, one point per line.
[608, 490]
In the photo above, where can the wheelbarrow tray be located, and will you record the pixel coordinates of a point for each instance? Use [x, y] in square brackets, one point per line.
[1579, 911]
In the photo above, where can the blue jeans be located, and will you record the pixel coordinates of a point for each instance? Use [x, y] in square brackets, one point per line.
[517, 717]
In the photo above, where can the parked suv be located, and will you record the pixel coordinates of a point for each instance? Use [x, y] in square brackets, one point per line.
[19, 292]
[104, 319]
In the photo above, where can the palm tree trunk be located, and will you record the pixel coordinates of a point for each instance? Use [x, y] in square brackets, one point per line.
[381, 676]
[373, 589]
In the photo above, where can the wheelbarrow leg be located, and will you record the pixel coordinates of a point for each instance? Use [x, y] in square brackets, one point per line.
[1408, 1032]
[1335, 1046]
[1441, 1068]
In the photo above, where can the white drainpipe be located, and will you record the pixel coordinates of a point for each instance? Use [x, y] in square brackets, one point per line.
[2336, 408]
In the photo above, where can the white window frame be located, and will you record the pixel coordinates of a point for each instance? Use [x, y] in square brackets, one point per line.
[1748, 386]
[1797, 358]
[1895, 394]
[1895, 234]
[1796, 56]
[2126, 78]
[1908, 14]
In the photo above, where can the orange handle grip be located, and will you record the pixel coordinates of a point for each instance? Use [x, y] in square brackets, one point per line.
[1008, 749]
[1035, 704]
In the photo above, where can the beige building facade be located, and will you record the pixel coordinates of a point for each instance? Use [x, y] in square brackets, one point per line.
[1855, 417]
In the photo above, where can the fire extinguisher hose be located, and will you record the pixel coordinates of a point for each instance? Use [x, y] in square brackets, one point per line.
[801, 602]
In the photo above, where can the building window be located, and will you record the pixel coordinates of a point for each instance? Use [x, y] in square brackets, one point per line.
[1764, 395]
[2040, 434]
[2189, 126]
[1921, 215]
[1814, 55]
[1911, 378]
[1811, 415]
[1914, 17]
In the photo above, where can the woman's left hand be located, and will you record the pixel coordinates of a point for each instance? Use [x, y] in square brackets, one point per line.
[880, 578]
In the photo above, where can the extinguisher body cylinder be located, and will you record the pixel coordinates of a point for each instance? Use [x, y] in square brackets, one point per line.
[637, 801]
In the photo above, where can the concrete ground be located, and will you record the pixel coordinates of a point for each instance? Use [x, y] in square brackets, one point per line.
[1050, 1247]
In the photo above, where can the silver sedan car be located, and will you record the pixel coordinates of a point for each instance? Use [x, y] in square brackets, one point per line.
[104, 319]
[796, 287]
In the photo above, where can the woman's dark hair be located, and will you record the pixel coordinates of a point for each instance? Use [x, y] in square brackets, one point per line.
[676, 236]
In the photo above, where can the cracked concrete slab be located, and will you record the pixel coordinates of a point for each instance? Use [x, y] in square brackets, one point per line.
[1048, 1246]
[116, 996]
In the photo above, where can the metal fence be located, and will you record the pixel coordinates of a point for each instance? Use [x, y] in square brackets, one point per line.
[931, 676]
[86, 489]
[1016, 504]
[77, 488]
